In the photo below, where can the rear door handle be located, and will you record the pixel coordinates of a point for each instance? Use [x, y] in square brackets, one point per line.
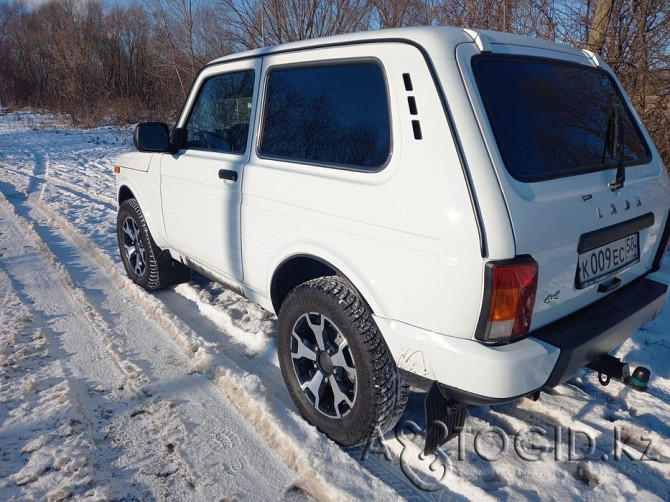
[227, 174]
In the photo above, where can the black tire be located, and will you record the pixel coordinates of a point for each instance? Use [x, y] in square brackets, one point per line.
[138, 250]
[369, 402]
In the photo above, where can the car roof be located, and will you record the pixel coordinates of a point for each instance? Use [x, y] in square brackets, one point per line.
[433, 38]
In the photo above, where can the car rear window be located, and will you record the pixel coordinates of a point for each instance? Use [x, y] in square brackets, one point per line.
[551, 119]
[332, 114]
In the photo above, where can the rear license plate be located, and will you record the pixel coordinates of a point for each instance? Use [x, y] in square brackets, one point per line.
[602, 262]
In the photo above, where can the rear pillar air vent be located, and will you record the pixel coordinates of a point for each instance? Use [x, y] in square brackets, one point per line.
[413, 108]
[408, 82]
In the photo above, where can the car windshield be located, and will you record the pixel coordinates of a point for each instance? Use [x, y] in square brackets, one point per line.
[550, 119]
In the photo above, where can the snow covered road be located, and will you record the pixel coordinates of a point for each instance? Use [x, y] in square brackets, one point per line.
[105, 381]
[110, 392]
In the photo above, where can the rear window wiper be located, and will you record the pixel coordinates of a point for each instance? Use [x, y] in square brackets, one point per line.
[614, 145]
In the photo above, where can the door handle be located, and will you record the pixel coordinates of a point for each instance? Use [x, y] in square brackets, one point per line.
[227, 174]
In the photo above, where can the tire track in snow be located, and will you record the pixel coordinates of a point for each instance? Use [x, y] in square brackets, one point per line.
[152, 417]
[195, 348]
[79, 191]
[39, 169]
[56, 462]
[136, 379]
[70, 407]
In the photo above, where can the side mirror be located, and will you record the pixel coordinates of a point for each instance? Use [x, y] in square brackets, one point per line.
[152, 137]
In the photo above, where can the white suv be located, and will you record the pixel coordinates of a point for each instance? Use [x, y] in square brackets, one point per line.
[473, 210]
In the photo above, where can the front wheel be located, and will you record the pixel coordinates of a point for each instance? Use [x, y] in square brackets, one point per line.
[335, 362]
[138, 250]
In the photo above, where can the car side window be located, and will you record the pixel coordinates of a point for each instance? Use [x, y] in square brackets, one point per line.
[219, 119]
[334, 114]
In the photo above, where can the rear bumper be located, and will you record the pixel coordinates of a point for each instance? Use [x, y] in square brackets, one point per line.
[594, 331]
[474, 373]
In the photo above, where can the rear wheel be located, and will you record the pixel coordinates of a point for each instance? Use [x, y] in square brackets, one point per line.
[138, 250]
[335, 363]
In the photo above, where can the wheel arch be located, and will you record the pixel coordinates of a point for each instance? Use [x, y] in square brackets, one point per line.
[124, 193]
[148, 198]
[299, 268]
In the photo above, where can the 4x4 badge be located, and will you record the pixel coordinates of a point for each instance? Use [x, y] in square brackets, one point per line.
[552, 298]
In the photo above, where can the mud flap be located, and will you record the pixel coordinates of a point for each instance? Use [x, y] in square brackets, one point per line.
[171, 272]
[445, 418]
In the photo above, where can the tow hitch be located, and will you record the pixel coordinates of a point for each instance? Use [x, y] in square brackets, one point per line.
[609, 367]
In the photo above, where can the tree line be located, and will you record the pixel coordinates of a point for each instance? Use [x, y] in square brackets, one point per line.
[99, 62]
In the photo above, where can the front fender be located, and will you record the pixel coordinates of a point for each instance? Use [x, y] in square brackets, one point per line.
[145, 187]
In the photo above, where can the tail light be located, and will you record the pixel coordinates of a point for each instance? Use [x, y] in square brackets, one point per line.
[509, 300]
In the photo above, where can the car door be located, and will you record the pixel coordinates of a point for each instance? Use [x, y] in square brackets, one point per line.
[549, 119]
[201, 183]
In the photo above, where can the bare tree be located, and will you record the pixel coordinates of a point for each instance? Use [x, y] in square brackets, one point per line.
[601, 20]
[174, 41]
[635, 44]
[399, 13]
[136, 60]
[258, 23]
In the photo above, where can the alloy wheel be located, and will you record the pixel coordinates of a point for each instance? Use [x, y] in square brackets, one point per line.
[324, 365]
[134, 247]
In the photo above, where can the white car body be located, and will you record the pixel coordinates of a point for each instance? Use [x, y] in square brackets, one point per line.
[415, 237]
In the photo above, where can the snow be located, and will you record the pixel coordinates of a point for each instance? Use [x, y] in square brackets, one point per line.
[110, 392]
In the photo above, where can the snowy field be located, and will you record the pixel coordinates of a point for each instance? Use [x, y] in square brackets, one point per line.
[108, 392]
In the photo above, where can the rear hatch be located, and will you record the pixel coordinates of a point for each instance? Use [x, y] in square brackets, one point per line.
[561, 136]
